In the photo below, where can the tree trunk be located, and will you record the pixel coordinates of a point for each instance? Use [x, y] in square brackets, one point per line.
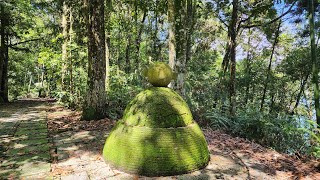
[128, 65]
[177, 40]
[277, 33]
[155, 36]
[4, 57]
[273, 99]
[2, 48]
[94, 106]
[29, 85]
[302, 85]
[232, 34]
[315, 68]
[180, 33]
[191, 10]
[70, 51]
[64, 25]
[248, 69]
[108, 30]
[138, 39]
[4, 82]
[226, 58]
[172, 39]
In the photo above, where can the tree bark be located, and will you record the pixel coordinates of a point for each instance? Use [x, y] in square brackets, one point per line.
[4, 82]
[4, 57]
[232, 34]
[302, 85]
[277, 33]
[2, 48]
[138, 39]
[248, 69]
[128, 64]
[171, 39]
[177, 40]
[95, 101]
[64, 56]
[108, 35]
[191, 10]
[315, 68]
[70, 51]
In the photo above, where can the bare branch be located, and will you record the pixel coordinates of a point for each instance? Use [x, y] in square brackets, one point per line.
[22, 42]
[273, 20]
[20, 49]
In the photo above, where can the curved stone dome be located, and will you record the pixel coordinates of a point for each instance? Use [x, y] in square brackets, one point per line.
[157, 136]
[158, 107]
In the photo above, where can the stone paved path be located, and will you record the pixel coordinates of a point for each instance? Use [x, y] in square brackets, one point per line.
[24, 142]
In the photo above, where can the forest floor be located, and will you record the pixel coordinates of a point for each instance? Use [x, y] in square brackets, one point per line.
[40, 139]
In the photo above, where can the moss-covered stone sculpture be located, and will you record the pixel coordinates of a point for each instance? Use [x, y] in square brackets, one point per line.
[159, 74]
[157, 136]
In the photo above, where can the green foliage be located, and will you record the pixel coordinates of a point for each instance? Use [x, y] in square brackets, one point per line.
[313, 133]
[120, 91]
[282, 132]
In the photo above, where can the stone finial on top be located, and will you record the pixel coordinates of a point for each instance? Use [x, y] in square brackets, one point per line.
[159, 74]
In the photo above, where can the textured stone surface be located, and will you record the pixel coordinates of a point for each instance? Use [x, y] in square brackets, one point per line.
[157, 136]
[158, 107]
[24, 143]
[159, 74]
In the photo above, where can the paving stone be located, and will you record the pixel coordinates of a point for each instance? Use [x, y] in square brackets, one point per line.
[77, 176]
[40, 176]
[20, 160]
[33, 141]
[29, 150]
[62, 156]
[69, 162]
[9, 174]
[33, 168]
[30, 132]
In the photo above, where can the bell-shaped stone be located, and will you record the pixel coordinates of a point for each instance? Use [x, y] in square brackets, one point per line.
[157, 136]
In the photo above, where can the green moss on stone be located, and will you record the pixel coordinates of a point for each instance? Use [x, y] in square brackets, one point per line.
[157, 136]
[156, 151]
[158, 107]
[159, 74]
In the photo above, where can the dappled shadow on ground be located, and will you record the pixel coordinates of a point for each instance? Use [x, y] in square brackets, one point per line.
[24, 140]
[259, 159]
[78, 148]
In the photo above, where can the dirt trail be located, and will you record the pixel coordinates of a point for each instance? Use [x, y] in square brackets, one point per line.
[68, 148]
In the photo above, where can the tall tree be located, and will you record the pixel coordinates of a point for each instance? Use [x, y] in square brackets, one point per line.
[4, 54]
[94, 105]
[244, 15]
[232, 33]
[181, 22]
[107, 39]
[172, 38]
[315, 68]
[277, 33]
[64, 56]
